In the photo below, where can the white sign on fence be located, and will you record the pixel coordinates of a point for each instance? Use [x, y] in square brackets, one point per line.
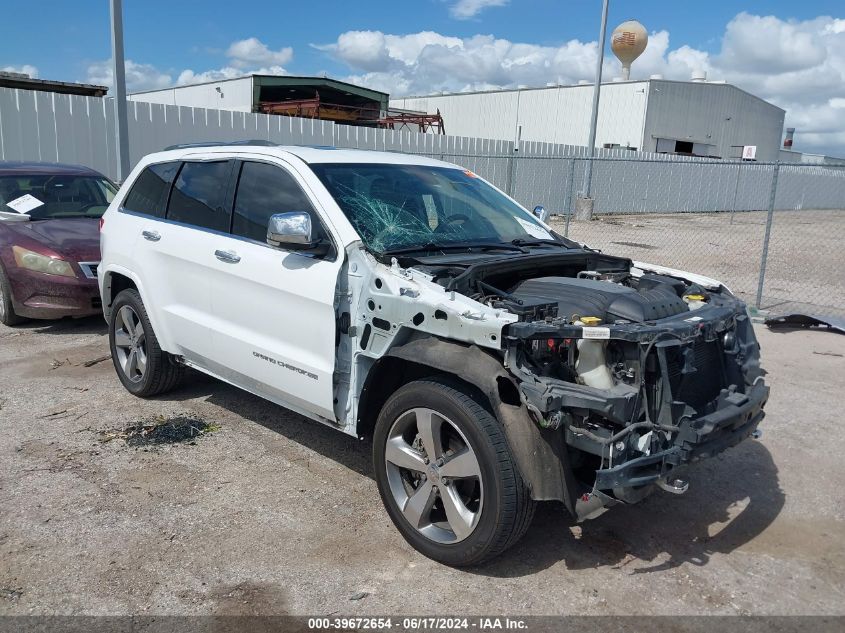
[749, 152]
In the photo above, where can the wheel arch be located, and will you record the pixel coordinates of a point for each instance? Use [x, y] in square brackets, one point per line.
[115, 282]
[540, 454]
[117, 279]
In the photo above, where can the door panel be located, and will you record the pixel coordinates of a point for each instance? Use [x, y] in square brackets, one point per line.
[174, 256]
[176, 279]
[274, 309]
[274, 321]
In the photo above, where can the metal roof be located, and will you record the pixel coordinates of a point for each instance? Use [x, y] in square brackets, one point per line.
[588, 85]
[282, 80]
[9, 80]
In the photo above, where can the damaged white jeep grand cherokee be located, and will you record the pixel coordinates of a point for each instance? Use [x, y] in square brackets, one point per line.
[493, 362]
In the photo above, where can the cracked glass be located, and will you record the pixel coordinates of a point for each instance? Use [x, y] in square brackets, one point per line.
[405, 206]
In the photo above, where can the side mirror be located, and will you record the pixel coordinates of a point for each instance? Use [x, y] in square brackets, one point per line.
[291, 230]
[541, 214]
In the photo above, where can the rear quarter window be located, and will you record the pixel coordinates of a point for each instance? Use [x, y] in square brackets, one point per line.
[148, 194]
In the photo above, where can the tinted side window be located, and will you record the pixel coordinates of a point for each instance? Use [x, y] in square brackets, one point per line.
[262, 191]
[149, 193]
[199, 196]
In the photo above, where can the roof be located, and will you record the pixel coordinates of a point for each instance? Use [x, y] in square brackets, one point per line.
[277, 79]
[16, 80]
[604, 84]
[300, 79]
[31, 168]
[522, 89]
[308, 154]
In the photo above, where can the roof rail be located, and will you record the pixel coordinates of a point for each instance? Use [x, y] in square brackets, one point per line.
[256, 142]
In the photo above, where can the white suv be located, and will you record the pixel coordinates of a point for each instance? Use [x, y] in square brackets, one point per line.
[493, 362]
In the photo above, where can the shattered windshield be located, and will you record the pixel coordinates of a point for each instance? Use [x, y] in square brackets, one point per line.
[405, 206]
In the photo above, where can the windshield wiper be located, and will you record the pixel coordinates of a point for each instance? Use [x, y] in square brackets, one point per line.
[461, 246]
[539, 242]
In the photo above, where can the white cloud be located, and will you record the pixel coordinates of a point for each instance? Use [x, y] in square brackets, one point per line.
[245, 56]
[252, 51]
[26, 69]
[465, 9]
[426, 62]
[768, 44]
[798, 65]
[138, 76]
[187, 77]
[373, 50]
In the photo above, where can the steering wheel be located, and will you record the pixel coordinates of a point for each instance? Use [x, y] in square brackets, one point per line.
[452, 219]
[457, 217]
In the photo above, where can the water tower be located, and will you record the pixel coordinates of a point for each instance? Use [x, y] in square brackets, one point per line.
[628, 41]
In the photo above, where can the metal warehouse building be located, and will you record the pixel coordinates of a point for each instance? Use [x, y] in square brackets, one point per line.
[698, 117]
[312, 97]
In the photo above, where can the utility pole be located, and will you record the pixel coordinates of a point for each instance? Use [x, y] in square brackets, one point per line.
[584, 203]
[121, 129]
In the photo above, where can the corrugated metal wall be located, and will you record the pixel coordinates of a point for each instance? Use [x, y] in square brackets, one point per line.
[632, 114]
[66, 128]
[718, 114]
[559, 114]
[234, 94]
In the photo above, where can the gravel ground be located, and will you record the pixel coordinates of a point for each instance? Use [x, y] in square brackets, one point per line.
[805, 263]
[267, 513]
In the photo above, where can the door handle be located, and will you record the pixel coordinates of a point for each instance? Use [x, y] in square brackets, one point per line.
[152, 236]
[230, 257]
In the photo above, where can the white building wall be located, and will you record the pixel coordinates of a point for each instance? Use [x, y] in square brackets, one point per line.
[718, 114]
[234, 95]
[480, 114]
[631, 114]
[559, 114]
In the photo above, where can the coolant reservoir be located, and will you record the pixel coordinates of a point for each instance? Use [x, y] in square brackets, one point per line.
[695, 301]
[591, 365]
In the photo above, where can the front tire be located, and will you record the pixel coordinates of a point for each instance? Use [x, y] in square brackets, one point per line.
[446, 475]
[8, 316]
[142, 366]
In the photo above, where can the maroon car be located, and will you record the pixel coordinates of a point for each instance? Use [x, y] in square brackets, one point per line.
[49, 240]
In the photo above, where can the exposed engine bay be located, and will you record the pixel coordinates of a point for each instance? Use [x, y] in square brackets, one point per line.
[642, 372]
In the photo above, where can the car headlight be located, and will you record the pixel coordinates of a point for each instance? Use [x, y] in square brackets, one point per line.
[42, 263]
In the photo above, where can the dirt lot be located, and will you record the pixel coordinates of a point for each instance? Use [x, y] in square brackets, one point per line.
[268, 513]
[805, 263]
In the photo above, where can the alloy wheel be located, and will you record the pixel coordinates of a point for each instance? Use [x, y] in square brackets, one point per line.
[434, 475]
[130, 344]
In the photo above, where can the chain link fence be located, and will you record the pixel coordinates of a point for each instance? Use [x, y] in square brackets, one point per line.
[772, 232]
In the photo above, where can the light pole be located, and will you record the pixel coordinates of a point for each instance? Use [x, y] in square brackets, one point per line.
[584, 203]
[121, 130]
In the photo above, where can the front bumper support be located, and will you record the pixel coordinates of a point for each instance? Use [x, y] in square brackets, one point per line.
[735, 418]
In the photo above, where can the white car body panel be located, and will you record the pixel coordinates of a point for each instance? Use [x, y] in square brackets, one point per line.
[273, 320]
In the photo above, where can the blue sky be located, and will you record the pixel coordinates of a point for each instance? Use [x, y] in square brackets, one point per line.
[195, 33]
[429, 45]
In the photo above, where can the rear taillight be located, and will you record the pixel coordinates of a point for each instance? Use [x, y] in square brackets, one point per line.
[102, 222]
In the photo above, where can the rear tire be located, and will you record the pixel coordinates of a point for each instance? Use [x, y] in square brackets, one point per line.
[467, 503]
[142, 366]
[8, 316]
